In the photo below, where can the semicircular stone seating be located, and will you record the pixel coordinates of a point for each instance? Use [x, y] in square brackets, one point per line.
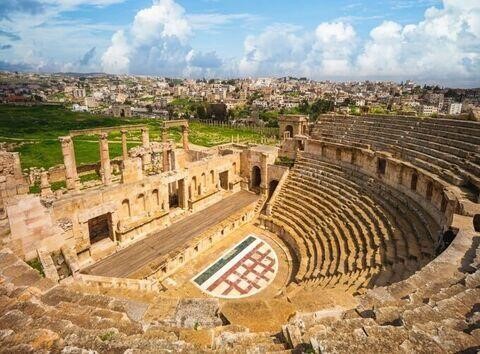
[351, 230]
[436, 310]
[449, 149]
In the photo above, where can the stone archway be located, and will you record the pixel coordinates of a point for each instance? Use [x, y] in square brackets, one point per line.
[289, 129]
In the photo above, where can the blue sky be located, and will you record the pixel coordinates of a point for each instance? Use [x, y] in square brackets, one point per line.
[425, 40]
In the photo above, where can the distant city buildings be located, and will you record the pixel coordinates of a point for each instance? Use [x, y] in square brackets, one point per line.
[455, 108]
[234, 99]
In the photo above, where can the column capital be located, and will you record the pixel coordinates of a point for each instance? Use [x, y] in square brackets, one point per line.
[103, 136]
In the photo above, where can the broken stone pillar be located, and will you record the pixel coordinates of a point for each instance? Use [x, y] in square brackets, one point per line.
[45, 190]
[165, 152]
[72, 180]
[185, 137]
[146, 157]
[124, 145]
[106, 170]
[264, 177]
[166, 159]
[145, 138]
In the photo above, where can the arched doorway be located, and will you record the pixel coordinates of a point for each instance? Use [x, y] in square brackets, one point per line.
[122, 113]
[289, 129]
[256, 177]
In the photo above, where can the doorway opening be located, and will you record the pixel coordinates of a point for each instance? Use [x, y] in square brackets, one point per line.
[223, 176]
[289, 129]
[100, 228]
[256, 178]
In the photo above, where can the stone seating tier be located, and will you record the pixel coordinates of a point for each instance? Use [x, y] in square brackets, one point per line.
[39, 316]
[449, 149]
[436, 310]
[355, 231]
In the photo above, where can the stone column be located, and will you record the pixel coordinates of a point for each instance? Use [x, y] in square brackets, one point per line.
[145, 138]
[165, 152]
[45, 190]
[124, 145]
[105, 160]
[72, 180]
[146, 157]
[264, 175]
[185, 137]
[166, 159]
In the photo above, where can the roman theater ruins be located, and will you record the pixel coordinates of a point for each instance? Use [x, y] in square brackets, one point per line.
[368, 241]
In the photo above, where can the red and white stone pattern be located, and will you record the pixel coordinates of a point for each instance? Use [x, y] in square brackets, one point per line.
[248, 273]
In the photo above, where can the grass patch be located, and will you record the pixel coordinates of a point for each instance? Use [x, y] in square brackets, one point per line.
[89, 177]
[35, 189]
[37, 265]
[55, 186]
[107, 336]
[40, 126]
[284, 161]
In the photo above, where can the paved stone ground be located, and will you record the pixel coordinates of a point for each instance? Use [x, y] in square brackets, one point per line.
[134, 257]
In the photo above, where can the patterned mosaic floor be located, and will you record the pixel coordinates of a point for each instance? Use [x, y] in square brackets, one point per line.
[244, 270]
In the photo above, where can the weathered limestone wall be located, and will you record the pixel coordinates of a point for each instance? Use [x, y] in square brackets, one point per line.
[12, 182]
[280, 174]
[137, 205]
[32, 227]
[430, 192]
[140, 204]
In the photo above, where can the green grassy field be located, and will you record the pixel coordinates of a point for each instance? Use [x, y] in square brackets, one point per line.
[39, 128]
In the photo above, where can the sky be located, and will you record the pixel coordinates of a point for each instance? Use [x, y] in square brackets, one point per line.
[429, 41]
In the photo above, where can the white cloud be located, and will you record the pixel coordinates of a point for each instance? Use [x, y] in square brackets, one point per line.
[116, 58]
[157, 43]
[165, 18]
[444, 47]
[284, 50]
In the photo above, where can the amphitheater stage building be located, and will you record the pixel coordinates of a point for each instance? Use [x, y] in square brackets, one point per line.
[132, 259]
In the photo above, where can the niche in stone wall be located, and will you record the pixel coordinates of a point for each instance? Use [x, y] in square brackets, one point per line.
[414, 182]
[429, 192]
[381, 166]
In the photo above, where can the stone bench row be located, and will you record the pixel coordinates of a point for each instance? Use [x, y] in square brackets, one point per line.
[395, 246]
[344, 236]
[414, 210]
[346, 181]
[436, 310]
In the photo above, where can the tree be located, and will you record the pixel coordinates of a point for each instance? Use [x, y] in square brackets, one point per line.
[201, 112]
[320, 106]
